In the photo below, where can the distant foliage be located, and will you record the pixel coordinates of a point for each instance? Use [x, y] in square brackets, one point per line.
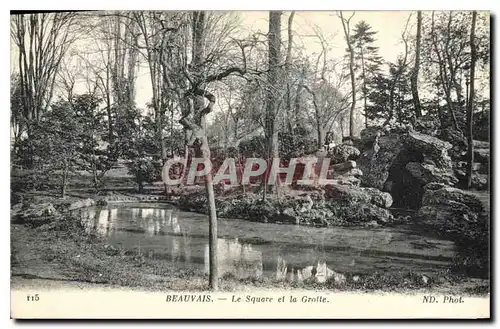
[482, 125]
[390, 97]
[253, 147]
[296, 144]
[70, 138]
[142, 152]
[143, 170]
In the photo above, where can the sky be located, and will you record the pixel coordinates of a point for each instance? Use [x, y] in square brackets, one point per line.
[389, 25]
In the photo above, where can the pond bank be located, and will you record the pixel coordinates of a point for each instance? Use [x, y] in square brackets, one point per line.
[61, 250]
[328, 206]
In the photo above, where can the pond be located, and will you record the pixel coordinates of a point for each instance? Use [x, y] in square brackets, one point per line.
[254, 250]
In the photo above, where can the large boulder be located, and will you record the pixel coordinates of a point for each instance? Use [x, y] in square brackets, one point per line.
[351, 194]
[326, 205]
[426, 173]
[366, 213]
[402, 164]
[368, 135]
[447, 208]
[346, 194]
[35, 213]
[348, 176]
[84, 203]
[458, 141]
[455, 137]
[461, 217]
[379, 198]
[444, 195]
[430, 147]
[339, 205]
[376, 162]
[343, 152]
[428, 125]
[348, 180]
[446, 215]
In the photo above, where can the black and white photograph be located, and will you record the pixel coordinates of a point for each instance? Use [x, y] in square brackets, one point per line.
[239, 164]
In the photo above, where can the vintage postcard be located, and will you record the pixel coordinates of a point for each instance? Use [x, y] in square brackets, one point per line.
[250, 164]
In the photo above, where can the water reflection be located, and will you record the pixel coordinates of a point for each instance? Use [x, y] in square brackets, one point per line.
[319, 272]
[240, 260]
[299, 254]
[151, 222]
[160, 232]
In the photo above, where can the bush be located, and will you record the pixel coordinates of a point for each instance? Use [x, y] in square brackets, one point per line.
[482, 125]
[296, 144]
[143, 170]
[254, 147]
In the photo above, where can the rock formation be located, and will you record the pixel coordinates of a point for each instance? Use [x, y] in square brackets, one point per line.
[451, 211]
[402, 164]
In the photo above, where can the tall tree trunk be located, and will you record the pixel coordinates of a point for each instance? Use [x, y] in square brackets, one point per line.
[42, 40]
[443, 77]
[297, 105]
[416, 68]
[65, 179]
[353, 103]
[202, 148]
[172, 131]
[345, 25]
[320, 125]
[163, 148]
[28, 161]
[108, 97]
[204, 151]
[342, 128]
[470, 107]
[449, 104]
[95, 179]
[364, 86]
[274, 40]
[321, 135]
[288, 67]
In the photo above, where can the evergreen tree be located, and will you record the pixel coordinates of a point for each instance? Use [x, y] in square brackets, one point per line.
[367, 60]
[390, 96]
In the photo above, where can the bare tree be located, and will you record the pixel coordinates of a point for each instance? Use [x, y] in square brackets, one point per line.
[347, 34]
[97, 63]
[450, 57]
[470, 103]
[400, 69]
[273, 78]
[123, 71]
[288, 64]
[112, 64]
[416, 67]
[155, 33]
[193, 117]
[16, 108]
[198, 139]
[327, 98]
[42, 40]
